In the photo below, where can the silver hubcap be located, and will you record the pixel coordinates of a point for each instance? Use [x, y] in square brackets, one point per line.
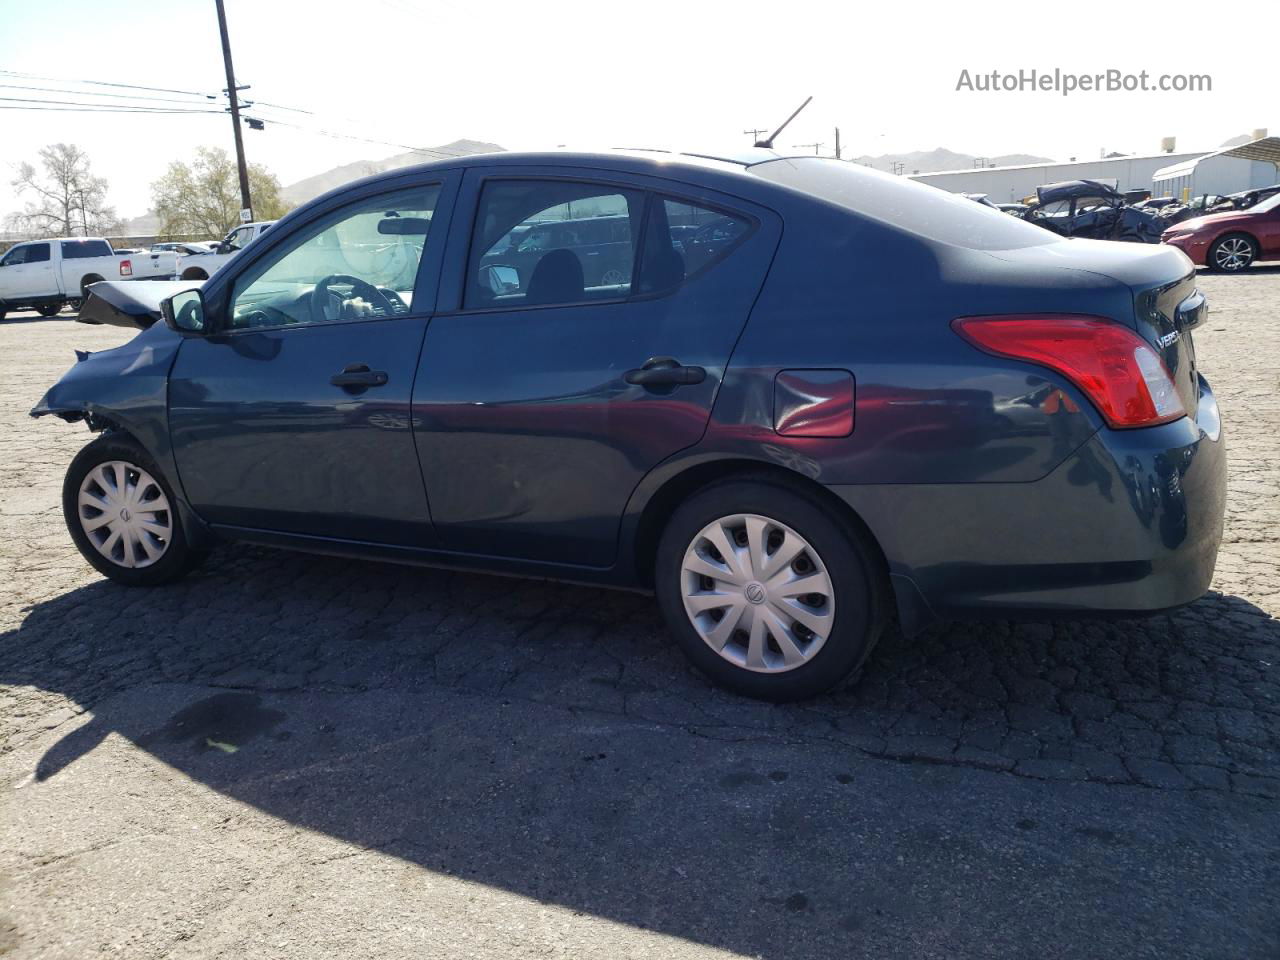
[125, 514]
[757, 593]
[1234, 253]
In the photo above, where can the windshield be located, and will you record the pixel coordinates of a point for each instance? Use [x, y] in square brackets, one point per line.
[901, 202]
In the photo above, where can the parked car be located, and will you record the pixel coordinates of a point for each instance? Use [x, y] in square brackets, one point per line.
[1231, 241]
[1086, 208]
[864, 396]
[46, 275]
[210, 263]
[185, 248]
[1018, 210]
[1245, 199]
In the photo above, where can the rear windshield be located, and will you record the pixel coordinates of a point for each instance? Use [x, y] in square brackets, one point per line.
[80, 249]
[916, 207]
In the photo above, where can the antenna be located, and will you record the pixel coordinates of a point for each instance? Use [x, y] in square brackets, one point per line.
[768, 142]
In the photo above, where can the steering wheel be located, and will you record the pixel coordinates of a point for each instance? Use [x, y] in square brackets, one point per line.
[359, 288]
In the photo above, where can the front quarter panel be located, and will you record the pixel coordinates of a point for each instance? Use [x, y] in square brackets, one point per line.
[125, 388]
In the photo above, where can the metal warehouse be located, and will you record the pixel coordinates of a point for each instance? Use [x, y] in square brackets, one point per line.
[1223, 173]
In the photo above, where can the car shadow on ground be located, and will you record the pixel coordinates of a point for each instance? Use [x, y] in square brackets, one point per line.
[549, 740]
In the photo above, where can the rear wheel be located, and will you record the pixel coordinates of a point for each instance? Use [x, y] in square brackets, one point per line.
[194, 274]
[84, 284]
[768, 593]
[122, 514]
[1231, 253]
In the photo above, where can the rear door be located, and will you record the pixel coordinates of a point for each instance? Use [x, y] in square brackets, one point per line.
[533, 425]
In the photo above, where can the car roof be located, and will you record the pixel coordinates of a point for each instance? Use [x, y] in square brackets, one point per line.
[641, 160]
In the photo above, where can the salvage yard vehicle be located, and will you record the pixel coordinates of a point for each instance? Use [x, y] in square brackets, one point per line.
[1093, 210]
[1233, 240]
[855, 399]
[208, 263]
[46, 275]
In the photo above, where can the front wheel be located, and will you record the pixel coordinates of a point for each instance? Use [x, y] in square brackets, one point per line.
[1233, 252]
[768, 593]
[49, 309]
[122, 514]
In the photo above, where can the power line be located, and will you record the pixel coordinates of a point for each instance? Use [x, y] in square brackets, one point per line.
[92, 93]
[115, 107]
[108, 83]
[157, 110]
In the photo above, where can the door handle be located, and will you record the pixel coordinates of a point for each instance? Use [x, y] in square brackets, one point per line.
[665, 372]
[358, 375]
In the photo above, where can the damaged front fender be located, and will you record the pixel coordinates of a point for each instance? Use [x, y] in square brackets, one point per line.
[125, 388]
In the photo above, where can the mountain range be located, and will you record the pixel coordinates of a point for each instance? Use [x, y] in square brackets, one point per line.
[940, 158]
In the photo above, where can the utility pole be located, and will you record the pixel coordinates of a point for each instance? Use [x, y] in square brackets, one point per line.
[233, 95]
[753, 134]
[837, 143]
[805, 146]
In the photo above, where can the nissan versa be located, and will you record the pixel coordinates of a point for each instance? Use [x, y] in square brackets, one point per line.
[801, 398]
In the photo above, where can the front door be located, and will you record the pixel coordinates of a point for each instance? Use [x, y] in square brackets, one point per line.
[28, 272]
[294, 414]
[535, 415]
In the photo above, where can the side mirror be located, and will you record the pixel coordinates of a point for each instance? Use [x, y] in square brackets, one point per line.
[500, 280]
[184, 312]
[222, 247]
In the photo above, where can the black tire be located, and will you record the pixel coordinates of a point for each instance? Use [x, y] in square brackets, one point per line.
[84, 285]
[49, 309]
[194, 274]
[1242, 242]
[178, 557]
[852, 563]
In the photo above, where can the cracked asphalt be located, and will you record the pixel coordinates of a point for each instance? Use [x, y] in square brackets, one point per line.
[291, 756]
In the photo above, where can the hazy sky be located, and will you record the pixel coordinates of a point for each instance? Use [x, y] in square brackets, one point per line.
[608, 73]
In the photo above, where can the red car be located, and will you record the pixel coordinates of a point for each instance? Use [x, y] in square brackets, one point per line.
[1230, 241]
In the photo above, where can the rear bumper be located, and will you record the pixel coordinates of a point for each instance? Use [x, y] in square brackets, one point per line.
[1128, 524]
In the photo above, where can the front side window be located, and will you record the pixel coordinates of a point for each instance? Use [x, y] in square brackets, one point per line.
[358, 263]
[238, 238]
[14, 257]
[541, 242]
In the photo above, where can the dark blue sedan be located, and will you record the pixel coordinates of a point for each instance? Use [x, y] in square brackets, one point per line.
[801, 399]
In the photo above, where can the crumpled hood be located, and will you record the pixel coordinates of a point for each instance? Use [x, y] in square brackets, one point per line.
[130, 303]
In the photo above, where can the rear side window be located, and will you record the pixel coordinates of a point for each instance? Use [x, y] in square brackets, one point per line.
[900, 202]
[83, 249]
[682, 239]
[37, 253]
[542, 242]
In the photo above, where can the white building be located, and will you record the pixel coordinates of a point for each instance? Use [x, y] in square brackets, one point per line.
[1011, 184]
[1250, 165]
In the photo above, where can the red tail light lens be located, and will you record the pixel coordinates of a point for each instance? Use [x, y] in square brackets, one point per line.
[1118, 370]
[126, 268]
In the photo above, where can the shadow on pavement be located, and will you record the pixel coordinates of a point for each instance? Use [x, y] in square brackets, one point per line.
[548, 740]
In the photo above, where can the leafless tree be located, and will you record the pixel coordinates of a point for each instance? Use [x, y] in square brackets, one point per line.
[67, 200]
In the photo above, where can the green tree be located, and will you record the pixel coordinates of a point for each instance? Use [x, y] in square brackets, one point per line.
[67, 199]
[203, 196]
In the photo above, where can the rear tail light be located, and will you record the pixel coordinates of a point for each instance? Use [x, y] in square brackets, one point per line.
[1117, 370]
[126, 268]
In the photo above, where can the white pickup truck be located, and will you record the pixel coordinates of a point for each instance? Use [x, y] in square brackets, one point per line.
[46, 275]
[203, 267]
